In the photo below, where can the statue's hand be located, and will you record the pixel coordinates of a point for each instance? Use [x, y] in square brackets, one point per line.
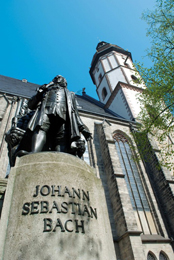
[42, 89]
[87, 134]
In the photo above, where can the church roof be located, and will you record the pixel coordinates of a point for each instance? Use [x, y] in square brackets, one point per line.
[93, 106]
[21, 88]
[17, 87]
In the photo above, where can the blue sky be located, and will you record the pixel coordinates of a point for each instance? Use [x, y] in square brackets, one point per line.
[43, 38]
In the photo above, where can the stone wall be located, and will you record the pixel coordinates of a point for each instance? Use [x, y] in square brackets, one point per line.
[3, 186]
[132, 244]
[7, 111]
[162, 184]
[124, 216]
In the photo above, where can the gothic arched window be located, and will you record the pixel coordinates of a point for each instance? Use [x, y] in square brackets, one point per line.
[163, 256]
[151, 256]
[88, 154]
[134, 184]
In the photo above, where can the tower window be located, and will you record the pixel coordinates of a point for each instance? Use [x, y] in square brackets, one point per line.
[135, 79]
[100, 77]
[104, 93]
[126, 65]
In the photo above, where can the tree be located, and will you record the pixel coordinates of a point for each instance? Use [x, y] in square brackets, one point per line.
[157, 100]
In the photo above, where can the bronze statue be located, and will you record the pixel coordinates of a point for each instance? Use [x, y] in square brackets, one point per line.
[54, 123]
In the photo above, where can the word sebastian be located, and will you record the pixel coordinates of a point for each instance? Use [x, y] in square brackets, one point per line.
[72, 207]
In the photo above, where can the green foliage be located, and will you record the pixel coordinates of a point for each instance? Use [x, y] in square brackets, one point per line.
[157, 100]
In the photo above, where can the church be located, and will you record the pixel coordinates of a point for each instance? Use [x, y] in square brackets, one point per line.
[139, 195]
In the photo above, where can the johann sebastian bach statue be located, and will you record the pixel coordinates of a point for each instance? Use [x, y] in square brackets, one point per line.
[56, 122]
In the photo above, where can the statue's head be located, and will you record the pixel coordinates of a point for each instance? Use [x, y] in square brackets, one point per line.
[60, 80]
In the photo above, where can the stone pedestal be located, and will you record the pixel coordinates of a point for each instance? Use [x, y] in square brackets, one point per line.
[55, 208]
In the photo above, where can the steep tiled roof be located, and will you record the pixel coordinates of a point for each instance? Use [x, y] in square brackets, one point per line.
[17, 87]
[91, 105]
[25, 89]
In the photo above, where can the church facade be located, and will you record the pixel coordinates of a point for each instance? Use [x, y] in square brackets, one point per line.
[139, 195]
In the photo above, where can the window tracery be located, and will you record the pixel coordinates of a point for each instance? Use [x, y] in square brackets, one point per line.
[150, 256]
[134, 184]
[163, 256]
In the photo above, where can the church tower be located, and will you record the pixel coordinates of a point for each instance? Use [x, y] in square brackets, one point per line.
[117, 82]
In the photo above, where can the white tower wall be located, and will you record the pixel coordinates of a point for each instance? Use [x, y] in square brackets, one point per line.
[114, 67]
[118, 106]
[115, 76]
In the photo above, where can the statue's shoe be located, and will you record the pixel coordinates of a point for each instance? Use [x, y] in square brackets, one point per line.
[21, 153]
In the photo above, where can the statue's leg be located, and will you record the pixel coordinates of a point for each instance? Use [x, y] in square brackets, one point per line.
[39, 137]
[38, 141]
[61, 140]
